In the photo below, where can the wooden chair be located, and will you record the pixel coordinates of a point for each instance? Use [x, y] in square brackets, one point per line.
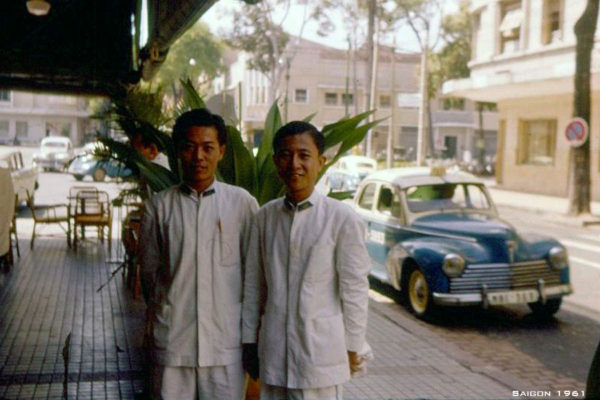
[13, 233]
[49, 214]
[92, 208]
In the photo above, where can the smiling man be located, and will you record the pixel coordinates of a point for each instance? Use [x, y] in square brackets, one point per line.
[305, 288]
[190, 252]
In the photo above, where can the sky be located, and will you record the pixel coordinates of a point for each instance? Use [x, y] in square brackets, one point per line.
[218, 18]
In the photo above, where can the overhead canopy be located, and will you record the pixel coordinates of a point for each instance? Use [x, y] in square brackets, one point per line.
[88, 46]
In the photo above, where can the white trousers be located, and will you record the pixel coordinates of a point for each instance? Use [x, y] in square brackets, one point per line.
[224, 382]
[268, 392]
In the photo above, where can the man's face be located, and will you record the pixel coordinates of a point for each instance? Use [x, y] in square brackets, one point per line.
[298, 164]
[200, 152]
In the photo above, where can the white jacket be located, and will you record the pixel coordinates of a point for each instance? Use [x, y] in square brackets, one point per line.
[306, 291]
[190, 252]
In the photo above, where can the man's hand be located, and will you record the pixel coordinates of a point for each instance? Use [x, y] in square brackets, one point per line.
[354, 361]
[250, 359]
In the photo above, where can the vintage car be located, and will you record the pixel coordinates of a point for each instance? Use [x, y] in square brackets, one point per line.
[437, 238]
[25, 179]
[89, 164]
[55, 153]
[360, 166]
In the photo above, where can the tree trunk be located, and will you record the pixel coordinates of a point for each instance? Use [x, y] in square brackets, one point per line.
[579, 168]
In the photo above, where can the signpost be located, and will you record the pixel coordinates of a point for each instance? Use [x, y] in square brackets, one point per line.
[577, 132]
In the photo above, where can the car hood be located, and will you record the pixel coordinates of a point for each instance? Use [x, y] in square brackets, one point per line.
[472, 225]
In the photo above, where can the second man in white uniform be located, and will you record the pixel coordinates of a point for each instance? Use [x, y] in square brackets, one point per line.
[305, 289]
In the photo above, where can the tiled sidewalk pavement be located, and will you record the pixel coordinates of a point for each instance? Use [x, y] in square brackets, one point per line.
[50, 293]
[410, 366]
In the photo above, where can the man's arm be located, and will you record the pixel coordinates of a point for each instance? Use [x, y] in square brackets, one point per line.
[148, 253]
[352, 264]
[253, 300]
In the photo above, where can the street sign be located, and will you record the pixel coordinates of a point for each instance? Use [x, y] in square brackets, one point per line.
[577, 132]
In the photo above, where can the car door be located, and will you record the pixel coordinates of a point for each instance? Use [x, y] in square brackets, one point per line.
[386, 226]
[366, 201]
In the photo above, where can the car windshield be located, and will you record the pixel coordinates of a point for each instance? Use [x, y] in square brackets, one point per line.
[448, 196]
[364, 165]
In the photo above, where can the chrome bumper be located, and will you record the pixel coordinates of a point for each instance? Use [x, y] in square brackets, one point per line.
[486, 297]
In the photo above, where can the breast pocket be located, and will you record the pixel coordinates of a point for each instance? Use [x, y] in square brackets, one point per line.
[320, 264]
[228, 248]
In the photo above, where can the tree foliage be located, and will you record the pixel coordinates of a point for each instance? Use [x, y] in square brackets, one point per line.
[197, 55]
[451, 61]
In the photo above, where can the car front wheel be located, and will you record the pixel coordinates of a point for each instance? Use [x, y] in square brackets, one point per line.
[78, 177]
[418, 296]
[548, 309]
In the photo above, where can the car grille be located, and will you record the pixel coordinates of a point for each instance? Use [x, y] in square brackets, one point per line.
[523, 275]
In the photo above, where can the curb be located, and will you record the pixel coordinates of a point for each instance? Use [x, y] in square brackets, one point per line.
[467, 360]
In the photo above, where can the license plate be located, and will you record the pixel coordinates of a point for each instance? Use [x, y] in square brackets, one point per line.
[513, 297]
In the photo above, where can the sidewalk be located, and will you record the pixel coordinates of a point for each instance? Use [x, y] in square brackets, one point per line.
[556, 208]
[52, 292]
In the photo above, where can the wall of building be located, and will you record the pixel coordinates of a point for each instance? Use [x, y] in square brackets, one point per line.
[536, 178]
[30, 117]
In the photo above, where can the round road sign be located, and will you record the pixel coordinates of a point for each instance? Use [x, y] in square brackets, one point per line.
[577, 132]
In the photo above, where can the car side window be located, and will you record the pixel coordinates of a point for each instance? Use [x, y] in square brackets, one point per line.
[367, 197]
[389, 202]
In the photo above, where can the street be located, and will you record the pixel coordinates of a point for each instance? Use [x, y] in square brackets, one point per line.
[549, 355]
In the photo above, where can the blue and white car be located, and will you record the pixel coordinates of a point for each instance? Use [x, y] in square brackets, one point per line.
[437, 237]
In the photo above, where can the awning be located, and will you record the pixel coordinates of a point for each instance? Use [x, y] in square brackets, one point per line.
[512, 21]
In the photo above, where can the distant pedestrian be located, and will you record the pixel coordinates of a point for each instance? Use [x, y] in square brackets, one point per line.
[305, 289]
[190, 254]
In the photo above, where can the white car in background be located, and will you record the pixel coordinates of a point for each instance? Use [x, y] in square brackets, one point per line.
[55, 153]
[359, 166]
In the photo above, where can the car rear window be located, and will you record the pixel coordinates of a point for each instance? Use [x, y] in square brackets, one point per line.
[446, 197]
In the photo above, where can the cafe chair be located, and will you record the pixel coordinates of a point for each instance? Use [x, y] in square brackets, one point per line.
[92, 209]
[49, 214]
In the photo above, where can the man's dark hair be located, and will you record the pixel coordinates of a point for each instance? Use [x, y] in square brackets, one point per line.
[298, 128]
[199, 117]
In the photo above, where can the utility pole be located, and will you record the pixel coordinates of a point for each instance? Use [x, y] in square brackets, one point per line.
[287, 88]
[422, 134]
[347, 93]
[373, 91]
[372, 6]
[390, 139]
[579, 159]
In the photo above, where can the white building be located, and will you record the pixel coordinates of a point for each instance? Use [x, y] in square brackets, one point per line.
[523, 59]
[317, 84]
[26, 118]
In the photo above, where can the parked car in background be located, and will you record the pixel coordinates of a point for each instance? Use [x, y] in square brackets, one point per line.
[87, 163]
[358, 165]
[337, 180]
[24, 178]
[55, 153]
[437, 238]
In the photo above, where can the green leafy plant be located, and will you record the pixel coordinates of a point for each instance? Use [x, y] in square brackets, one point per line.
[239, 167]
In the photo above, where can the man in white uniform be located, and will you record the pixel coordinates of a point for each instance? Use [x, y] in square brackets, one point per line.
[191, 256]
[305, 289]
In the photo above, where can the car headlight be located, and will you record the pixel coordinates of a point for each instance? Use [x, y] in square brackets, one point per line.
[454, 265]
[558, 257]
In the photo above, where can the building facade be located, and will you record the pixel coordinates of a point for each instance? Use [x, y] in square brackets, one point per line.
[327, 82]
[523, 59]
[25, 118]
